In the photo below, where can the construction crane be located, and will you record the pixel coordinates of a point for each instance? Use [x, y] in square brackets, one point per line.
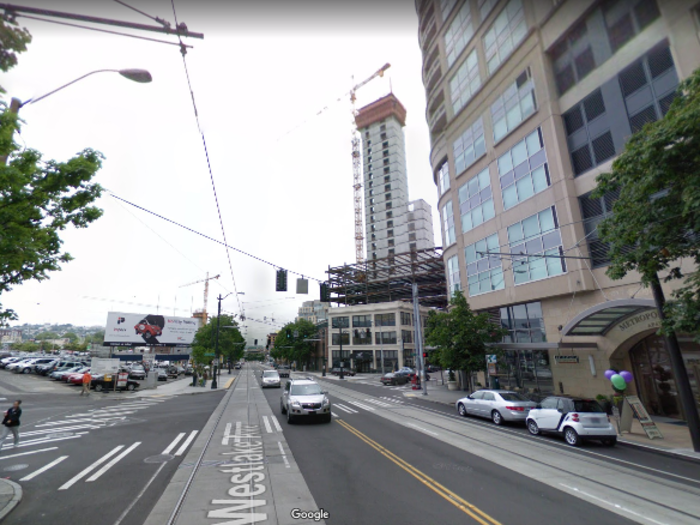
[356, 166]
[203, 313]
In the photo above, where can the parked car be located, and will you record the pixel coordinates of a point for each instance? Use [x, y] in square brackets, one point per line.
[137, 372]
[283, 371]
[189, 371]
[76, 378]
[497, 405]
[237, 366]
[59, 374]
[394, 379]
[162, 374]
[346, 372]
[175, 371]
[9, 360]
[304, 398]
[577, 419]
[24, 361]
[28, 367]
[99, 384]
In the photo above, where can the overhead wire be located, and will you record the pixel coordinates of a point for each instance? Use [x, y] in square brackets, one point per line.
[183, 52]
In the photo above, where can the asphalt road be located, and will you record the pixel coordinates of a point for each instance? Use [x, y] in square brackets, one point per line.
[366, 469]
[106, 458]
[632, 457]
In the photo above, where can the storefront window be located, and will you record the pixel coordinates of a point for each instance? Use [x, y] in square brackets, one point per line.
[524, 322]
[528, 371]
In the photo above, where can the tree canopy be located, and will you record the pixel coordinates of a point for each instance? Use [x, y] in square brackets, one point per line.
[38, 198]
[655, 222]
[460, 336]
[292, 342]
[231, 341]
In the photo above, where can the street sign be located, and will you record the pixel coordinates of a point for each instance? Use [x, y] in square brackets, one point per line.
[491, 358]
[104, 366]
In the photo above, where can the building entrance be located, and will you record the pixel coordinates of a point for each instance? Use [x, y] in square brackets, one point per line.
[654, 377]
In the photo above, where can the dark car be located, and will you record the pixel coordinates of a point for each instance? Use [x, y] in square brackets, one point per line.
[346, 372]
[394, 379]
[175, 371]
[162, 375]
[99, 384]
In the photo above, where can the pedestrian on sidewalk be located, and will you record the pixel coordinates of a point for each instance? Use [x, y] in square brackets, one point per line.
[194, 377]
[11, 423]
[87, 382]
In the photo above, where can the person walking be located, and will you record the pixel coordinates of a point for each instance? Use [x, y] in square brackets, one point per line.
[87, 382]
[11, 423]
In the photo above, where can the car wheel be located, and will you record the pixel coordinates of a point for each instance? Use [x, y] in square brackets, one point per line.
[130, 388]
[26, 370]
[98, 387]
[610, 442]
[290, 418]
[282, 409]
[572, 437]
[533, 428]
[496, 417]
[462, 410]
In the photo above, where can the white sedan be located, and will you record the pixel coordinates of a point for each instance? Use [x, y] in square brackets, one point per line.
[496, 405]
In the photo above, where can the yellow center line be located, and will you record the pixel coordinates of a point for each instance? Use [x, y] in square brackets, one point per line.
[466, 507]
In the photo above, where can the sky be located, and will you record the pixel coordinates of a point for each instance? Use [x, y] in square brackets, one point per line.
[283, 174]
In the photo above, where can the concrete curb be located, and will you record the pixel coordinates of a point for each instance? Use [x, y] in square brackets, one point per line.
[658, 450]
[12, 489]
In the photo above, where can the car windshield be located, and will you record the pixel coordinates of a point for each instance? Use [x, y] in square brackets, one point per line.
[305, 390]
[271, 374]
[587, 405]
[512, 396]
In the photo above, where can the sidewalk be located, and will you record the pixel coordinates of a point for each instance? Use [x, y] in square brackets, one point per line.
[676, 440]
[10, 496]
[184, 386]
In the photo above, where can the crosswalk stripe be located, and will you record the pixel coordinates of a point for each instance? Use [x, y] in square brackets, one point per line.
[379, 403]
[41, 441]
[227, 434]
[361, 405]
[187, 442]
[28, 453]
[114, 461]
[68, 484]
[346, 408]
[55, 430]
[266, 422]
[333, 413]
[174, 443]
[43, 469]
[276, 423]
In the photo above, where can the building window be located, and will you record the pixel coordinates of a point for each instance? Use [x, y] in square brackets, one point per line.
[362, 337]
[406, 336]
[388, 196]
[411, 236]
[411, 226]
[390, 242]
[390, 233]
[406, 319]
[389, 224]
[523, 170]
[385, 319]
[593, 212]
[448, 224]
[336, 339]
[537, 235]
[484, 272]
[446, 7]
[361, 321]
[476, 201]
[385, 338]
[387, 187]
[469, 146]
[513, 106]
[412, 247]
[388, 206]
[459, 33]
[649, 86]
[453, 275]
[389, 214]
[340, 322]
[391, 252]
[524, 322]
[505, 34]
[485, 7]
[443, 178]
[465, 82]
[573, 57]
[625, 19]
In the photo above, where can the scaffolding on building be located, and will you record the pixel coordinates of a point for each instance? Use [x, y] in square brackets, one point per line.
[390, 279]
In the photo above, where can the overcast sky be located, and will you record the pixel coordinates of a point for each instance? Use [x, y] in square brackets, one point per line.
[262, 69]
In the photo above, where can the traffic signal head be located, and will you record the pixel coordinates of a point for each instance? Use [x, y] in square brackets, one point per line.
[425, 354]
[325, 293]
[281, 284]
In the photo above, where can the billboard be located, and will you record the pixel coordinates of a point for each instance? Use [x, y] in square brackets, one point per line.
[149, 330]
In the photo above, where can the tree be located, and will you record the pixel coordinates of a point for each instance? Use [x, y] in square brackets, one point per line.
[230, 340]
[71, 336]
[39, 198]
[13, 40]
[460, 336]
[655, 222]
[291, 343]
[25, 346]
[42, 336]
[96, 338]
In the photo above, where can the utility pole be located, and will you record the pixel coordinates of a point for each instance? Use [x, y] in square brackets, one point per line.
[214, 383]
[419, 336]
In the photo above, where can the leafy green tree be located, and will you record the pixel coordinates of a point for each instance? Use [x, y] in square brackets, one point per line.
[292, 342]
[13, 40]
[71, 336]
[42, 336]
[656, 220]
[96, 338]
[230, 340]
[460, 336]
[25, 346]
[39, 198]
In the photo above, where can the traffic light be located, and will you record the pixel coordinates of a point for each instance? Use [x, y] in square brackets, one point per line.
[281, 281]
[256, 342]
[325, 293]
[425, 358]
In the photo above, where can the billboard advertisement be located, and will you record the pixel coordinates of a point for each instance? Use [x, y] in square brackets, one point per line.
[149, 330]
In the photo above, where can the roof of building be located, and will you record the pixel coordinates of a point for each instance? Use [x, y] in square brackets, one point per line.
[387, 106]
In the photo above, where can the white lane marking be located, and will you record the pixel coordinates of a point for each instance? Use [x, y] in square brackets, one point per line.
[334, 414]
[42, 440]
[346, 409]
[113, 462]
[276, 423]
[187, 442]
[279, 444]
[175, 442]
[380, 403]
[266, 422]
[423, 429]
[28, 453]
[143, 490]
[237, 436]
[54, 430]
[65, 422]
[43, 469]
[361, 405]
[68, 484]
[284, 455]
[227, 434]
[620, 507]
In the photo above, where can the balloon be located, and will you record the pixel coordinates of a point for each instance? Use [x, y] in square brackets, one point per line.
[618, 382]
[609, 373]
[627, 376]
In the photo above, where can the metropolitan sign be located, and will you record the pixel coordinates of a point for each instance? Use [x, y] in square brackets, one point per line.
[149, 330]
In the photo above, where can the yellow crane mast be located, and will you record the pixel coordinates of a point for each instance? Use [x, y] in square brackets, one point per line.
[203, 313]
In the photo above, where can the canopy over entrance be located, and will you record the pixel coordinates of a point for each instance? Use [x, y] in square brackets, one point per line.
[599, 319]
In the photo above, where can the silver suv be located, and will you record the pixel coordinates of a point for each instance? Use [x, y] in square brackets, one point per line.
[304, 397]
